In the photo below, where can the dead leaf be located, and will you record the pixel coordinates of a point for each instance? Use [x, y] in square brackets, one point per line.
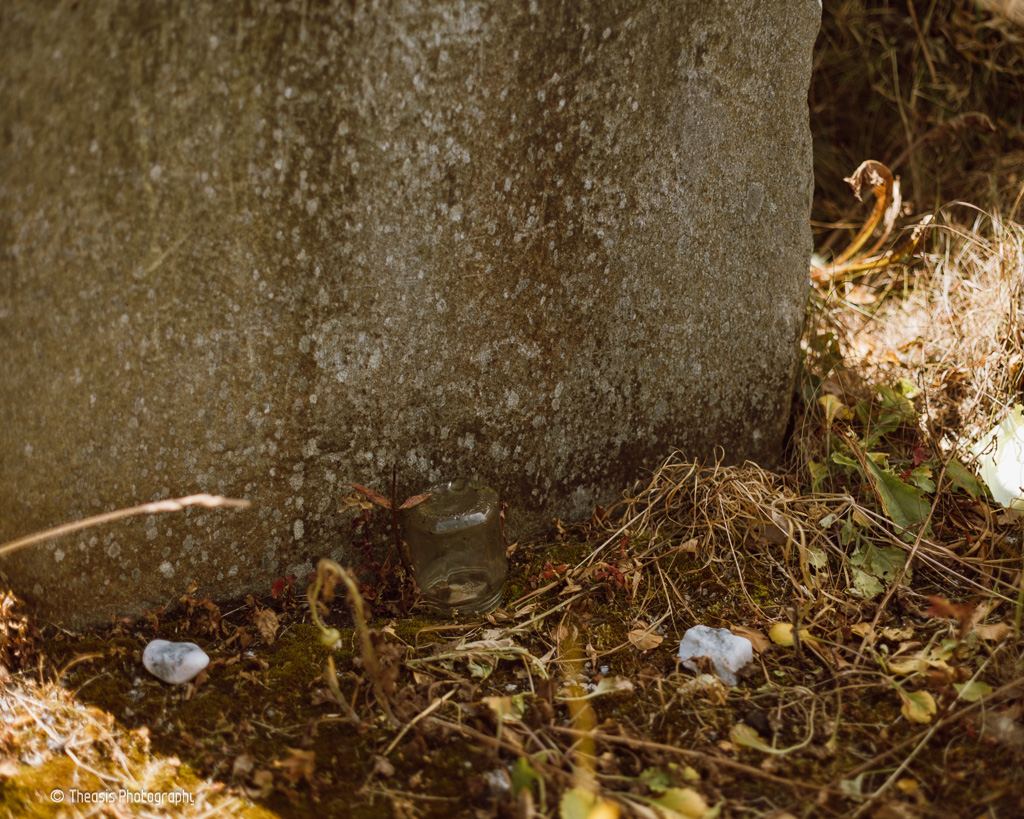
[371, 495]
[690, 547]
[321, 696]
[262, 784]
[994, 631]
[242, 766]
[382, 766]
[644, 639]
[267, 624]
[298, 765]
[415, 500]
[757, 638]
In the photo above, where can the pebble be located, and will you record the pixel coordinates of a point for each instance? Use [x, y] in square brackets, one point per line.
[728, 652]
[174, 663]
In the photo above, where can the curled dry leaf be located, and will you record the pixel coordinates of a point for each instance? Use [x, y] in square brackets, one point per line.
[371, 495]
[888, 201]
[415, 500]
[886, 189]
[267, 624]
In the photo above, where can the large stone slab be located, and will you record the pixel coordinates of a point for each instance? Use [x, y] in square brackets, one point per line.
[264, 248]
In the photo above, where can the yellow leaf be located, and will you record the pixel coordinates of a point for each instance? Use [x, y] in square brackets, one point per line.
[682, 802]
[782, 634]
[743, 734]
[908, 785]
[916, 662]
[580, 803]
[834, 408]
[918, 706]
[862, 629]
[604, 810]
[860, 518]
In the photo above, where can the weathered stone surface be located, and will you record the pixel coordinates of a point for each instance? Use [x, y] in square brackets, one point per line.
[264, 248]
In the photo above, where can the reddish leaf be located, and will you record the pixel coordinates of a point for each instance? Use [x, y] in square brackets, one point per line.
[415, 500]
[941, 607]
[277, 587]
[919, 456]
[370, 495]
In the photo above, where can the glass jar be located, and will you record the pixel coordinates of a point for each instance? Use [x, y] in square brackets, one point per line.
[457, 548]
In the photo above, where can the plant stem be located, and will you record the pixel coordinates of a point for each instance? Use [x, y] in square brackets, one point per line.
[394, 522]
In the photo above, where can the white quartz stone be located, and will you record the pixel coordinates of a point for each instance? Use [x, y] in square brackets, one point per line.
[728, 653]
[174, 663]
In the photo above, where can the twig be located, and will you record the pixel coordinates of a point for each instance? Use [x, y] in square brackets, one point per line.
[691, 754]
[425, 712]
[175, 505]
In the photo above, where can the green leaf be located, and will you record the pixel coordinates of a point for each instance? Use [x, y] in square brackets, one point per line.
[657, 779]
[819, 474]
[905, 505]
[854, 787]
[523, 776]
[844, 460]
[908, 388]
[480, 667]
[848, 532]
[962, 478]
[865, 586]
[897, 402]
[883, 562]
[576, 804]
[921, 477]
[972, 691]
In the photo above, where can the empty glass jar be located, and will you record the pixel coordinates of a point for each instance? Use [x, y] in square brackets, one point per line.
[457, 548]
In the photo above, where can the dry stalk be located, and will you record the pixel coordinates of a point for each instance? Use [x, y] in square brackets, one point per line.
[175, 505]
[325, 568]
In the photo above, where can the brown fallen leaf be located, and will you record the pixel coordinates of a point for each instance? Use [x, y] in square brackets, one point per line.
[757, 639]
[267, 624]
[994, 631]
[644, 639]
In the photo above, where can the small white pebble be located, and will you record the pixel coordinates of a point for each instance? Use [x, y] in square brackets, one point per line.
[174, 663]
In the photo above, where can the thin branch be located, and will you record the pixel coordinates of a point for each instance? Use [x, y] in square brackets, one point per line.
[175, 505]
